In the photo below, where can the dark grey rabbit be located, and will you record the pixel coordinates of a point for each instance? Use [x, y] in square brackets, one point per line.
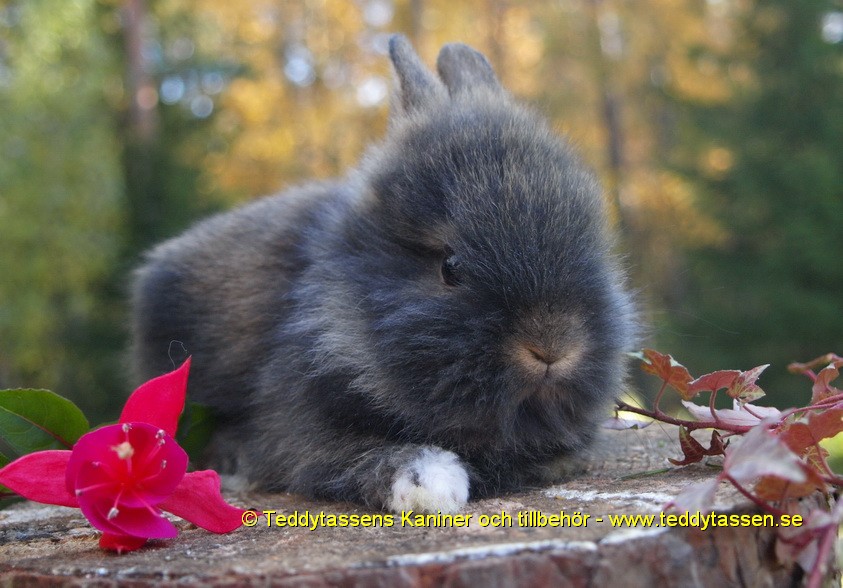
[447, 321]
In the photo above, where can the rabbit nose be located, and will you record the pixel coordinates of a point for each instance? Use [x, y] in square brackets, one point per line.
[546, 356]
[549, 345]
[548, 361]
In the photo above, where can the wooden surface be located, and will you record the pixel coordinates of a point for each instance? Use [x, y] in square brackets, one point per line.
[43, 545]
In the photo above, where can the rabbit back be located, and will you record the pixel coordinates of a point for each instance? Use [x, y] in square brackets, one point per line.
[219, 291]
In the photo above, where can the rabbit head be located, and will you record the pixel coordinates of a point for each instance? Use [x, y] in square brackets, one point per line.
[476, 303]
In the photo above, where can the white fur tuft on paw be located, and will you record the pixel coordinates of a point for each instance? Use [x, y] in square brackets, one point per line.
[433, 481]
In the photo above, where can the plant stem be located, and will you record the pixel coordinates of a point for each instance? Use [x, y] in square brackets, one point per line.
[690, 425]
[823, 553]
[656, 408]
[760, 503]
[711, 406]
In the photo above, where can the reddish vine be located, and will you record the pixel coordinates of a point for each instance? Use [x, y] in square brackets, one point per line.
[771, 457]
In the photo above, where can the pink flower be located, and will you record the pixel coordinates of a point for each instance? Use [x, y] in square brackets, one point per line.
[123, 476]
[121, 473]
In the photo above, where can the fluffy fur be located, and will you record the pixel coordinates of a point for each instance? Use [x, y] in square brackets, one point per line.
[447, 319]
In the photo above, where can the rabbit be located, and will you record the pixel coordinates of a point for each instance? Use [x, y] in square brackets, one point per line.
[448, 321]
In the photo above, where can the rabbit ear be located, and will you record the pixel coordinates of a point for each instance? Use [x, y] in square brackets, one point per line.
[462, 69]
[418, 86]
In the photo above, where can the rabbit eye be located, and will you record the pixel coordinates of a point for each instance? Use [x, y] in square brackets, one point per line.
[450, 267]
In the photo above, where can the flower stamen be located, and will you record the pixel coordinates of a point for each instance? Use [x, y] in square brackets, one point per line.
[114, 510]
[80, 491]
[124, 450]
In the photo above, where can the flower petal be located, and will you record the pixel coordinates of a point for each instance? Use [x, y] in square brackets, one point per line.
[150, 470]
[160, 401]
[121, 543]
[198, 500]
[142, 522]
[158, 464]
[40, 477]
[94, 447]
[148, 523]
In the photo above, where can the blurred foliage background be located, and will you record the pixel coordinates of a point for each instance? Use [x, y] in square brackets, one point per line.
[717, 127]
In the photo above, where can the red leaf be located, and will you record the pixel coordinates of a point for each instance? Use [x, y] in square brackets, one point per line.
[774, 489]
[694, 450]
[691, 448]
[801, 435]
[121, 543]
[669, 370]
[697, 497]
[744, 388]
[806, 368]
[798, 437]
[716, 447]
[197, 499]
[714, 381]
[826, 424]
[822, 387]
[40, 477]
[761, 453]
[160, 401]
[739, 416]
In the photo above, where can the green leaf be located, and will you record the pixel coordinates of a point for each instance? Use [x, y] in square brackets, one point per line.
[7, 497]
[35, 420]
[196, 426]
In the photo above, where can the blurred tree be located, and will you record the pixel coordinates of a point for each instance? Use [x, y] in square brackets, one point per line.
[712, 123]
[60, 200]
[306, 92]
[769, 164]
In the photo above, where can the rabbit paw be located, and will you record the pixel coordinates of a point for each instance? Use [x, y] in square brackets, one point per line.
[434, 480]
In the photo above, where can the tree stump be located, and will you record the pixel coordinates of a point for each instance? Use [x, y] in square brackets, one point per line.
[49, 545]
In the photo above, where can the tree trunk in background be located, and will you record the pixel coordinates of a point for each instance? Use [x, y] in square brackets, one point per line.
[610, 112]
[140, 130]
[494, 34]
[143, 119]
[416, 21]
